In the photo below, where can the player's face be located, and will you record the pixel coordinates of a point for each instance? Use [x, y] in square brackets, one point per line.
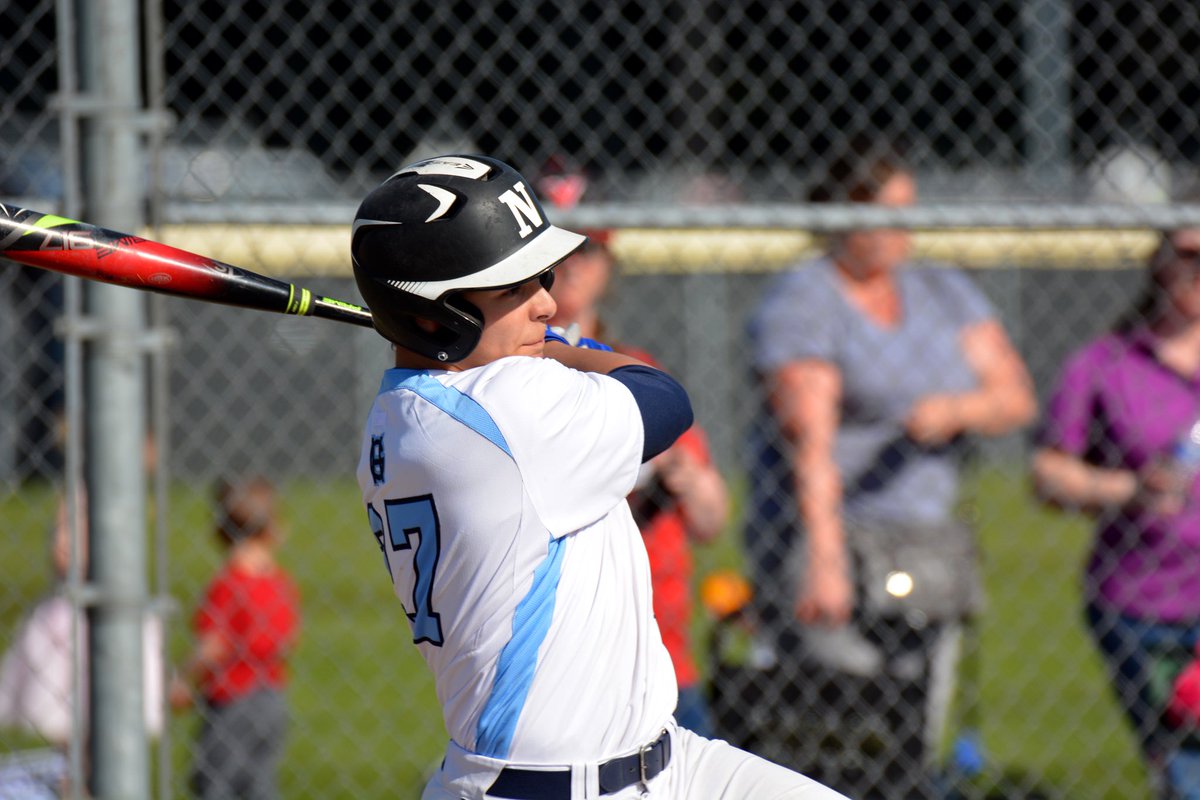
[514, 321]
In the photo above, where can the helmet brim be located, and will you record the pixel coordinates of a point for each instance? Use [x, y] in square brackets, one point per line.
[541, 253]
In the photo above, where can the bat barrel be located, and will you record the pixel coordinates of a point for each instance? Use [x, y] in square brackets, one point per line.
[87, 251]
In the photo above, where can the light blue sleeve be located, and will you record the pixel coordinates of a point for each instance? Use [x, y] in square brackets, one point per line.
[797, 319]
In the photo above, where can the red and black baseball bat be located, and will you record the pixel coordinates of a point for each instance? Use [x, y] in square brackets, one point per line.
[88, 251]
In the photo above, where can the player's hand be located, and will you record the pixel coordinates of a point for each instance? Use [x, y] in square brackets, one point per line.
[827, 597]
[933, 420]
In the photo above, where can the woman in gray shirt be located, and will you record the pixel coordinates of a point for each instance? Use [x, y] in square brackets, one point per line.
[873, 370]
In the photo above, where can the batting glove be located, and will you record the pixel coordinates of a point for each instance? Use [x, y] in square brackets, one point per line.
[592, 344]
[570, 335]
[555, 335]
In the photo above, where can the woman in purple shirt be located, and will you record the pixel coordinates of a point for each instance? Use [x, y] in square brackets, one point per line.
[1121, 405]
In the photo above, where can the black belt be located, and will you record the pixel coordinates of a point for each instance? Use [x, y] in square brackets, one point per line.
[555, 784]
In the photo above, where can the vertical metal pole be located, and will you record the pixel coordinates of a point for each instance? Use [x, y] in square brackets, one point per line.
[9, 384]
[156, 104]
[68, 70]
[73, 390]
[75, 567]
[114, 372]
[158, 411]
[1047, 73]
[159, 376]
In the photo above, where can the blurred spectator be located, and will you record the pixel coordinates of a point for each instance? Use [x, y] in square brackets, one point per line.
[1124, 411]
[680, 496]
[562, 182]
[37, 675]
[245, 630]
[874, 372]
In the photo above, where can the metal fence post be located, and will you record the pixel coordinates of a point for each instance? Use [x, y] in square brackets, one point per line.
[115, 407]
[1047, 71]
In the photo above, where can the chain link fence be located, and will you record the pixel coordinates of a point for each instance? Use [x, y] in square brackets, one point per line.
[1048, 138]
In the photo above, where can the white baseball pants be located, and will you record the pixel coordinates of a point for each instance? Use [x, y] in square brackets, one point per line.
[700, 769]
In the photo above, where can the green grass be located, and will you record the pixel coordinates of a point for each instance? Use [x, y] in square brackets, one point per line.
[1047, 707]
[365, 721]
[366, 724]
[25, 520]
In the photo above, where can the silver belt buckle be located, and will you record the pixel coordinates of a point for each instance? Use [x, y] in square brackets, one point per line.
[642, 759]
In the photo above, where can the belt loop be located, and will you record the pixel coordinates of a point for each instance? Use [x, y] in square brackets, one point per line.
[586, 782]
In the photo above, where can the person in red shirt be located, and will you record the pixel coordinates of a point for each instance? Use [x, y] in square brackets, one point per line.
[245, 629]
[680, 497]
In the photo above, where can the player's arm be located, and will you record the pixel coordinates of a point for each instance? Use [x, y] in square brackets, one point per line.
[580, 436]
[588, 360]
[662, 402]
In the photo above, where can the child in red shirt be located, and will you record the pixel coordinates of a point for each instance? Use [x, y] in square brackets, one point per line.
[245, 629]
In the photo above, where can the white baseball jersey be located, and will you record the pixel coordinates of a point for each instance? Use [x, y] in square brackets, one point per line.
[497, 495]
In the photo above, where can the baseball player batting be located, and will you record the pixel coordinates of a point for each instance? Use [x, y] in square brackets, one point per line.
[495, 465]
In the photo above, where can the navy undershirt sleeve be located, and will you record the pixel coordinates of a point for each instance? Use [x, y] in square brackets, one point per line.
[666, 409]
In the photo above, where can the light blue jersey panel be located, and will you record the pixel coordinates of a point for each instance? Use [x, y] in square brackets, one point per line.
[497, 495]
[518, 659]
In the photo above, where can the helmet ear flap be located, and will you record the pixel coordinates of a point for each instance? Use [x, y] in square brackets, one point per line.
[453, 338]
[456, 302]
[460, 328]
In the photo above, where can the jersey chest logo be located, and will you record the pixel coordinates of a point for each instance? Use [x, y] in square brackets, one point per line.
[376, 459]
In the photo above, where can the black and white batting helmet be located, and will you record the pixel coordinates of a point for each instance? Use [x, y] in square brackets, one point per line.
[441, 227]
